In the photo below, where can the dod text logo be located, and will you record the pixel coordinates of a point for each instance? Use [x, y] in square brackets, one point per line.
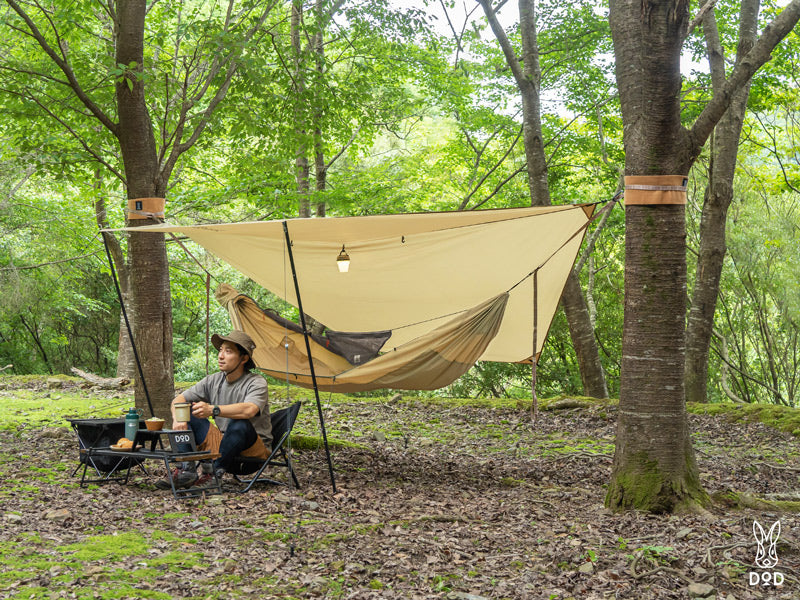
[766, 555]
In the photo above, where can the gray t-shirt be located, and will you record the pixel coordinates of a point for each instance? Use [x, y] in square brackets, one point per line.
[250, 387]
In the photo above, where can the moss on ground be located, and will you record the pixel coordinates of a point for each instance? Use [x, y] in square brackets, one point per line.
[27, 408]
[735, 500]
[783, 418]
[312, 442]
[25, 560]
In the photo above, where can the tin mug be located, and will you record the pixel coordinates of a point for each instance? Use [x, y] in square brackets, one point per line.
[183, 412]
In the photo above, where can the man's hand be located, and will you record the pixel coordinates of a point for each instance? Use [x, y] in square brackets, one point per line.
[202, 410]
[180, 425]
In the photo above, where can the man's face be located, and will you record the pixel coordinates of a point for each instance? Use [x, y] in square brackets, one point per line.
[229, 357]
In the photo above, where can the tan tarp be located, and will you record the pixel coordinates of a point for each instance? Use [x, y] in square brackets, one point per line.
[433, 360]
[411, 273]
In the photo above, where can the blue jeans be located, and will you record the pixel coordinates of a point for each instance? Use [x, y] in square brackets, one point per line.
[238, 437]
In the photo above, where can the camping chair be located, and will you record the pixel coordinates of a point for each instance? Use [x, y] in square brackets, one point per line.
[282, 424]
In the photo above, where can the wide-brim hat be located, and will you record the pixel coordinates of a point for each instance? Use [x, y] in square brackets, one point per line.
[241, 339]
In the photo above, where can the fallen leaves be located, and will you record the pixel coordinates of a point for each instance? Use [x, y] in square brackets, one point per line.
[480, 511]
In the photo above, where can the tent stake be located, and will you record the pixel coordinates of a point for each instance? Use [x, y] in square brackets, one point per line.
[308, 351]
[127, 324]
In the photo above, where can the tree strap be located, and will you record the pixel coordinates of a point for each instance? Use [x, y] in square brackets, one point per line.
[655, 189]
[145, 208]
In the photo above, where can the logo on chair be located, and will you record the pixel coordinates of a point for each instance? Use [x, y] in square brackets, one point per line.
[766, 555]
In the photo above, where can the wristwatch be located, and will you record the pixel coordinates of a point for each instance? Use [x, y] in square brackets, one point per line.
[215, 411]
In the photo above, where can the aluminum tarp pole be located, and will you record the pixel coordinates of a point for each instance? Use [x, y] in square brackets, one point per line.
[534, 399]
[308, 351]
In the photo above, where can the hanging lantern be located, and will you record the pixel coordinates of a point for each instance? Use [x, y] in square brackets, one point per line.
[343, 261]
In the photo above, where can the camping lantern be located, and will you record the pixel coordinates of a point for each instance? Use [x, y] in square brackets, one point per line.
[343, 261]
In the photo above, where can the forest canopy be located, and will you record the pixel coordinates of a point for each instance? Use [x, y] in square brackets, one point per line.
[345, 108]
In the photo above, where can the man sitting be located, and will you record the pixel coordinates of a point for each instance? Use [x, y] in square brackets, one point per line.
[238, 401]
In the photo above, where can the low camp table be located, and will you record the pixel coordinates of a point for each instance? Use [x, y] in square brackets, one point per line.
[149, 445]
[100, 433]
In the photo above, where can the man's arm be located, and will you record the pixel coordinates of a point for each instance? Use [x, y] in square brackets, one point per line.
[240, 410]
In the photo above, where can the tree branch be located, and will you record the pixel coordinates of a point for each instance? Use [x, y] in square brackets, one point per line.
[466, 200]
[62, 64]
[46, 109]
[597, 230]
[716, 55]
[774, 151]
[343, 148]
[499, 186]
[502, 39]
[772, 35]
[52, 262]
[456, 36]
[231, 60]
[706, 9]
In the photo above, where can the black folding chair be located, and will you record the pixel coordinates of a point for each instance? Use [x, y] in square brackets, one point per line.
[282, 424]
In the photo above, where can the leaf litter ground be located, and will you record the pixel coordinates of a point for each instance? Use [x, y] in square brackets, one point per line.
[435, 500]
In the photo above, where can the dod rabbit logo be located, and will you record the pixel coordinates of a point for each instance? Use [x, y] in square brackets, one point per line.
[766, 555]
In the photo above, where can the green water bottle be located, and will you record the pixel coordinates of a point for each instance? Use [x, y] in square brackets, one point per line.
[131, 423]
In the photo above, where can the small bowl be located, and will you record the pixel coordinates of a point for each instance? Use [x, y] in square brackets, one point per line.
[154, 425]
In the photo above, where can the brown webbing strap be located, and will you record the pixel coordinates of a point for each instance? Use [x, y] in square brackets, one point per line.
[145, 208]
[655, 189]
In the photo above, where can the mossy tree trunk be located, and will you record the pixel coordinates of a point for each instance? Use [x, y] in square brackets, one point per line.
[654, 466]
[149, 272]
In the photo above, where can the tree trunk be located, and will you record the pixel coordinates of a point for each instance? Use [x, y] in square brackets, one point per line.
[152, 308]
[718, 197]
[654, 463]
[126, 365]
[582, 334]
[126, 362]
[527, 74]
[33, 331]
[320, 169]
[574, 304]
[301, 154]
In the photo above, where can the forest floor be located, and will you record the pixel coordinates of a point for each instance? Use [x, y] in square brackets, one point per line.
[458, 500]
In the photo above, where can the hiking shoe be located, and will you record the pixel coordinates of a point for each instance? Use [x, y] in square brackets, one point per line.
[181, 478]
[204, 479]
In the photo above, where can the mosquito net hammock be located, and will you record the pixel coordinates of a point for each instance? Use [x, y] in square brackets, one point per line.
[425, 297]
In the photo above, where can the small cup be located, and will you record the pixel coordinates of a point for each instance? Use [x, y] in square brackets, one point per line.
[183, 412]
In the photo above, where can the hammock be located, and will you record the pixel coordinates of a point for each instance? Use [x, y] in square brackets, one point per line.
[429, 362]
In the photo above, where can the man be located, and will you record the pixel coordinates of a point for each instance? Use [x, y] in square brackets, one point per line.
[238, 402]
